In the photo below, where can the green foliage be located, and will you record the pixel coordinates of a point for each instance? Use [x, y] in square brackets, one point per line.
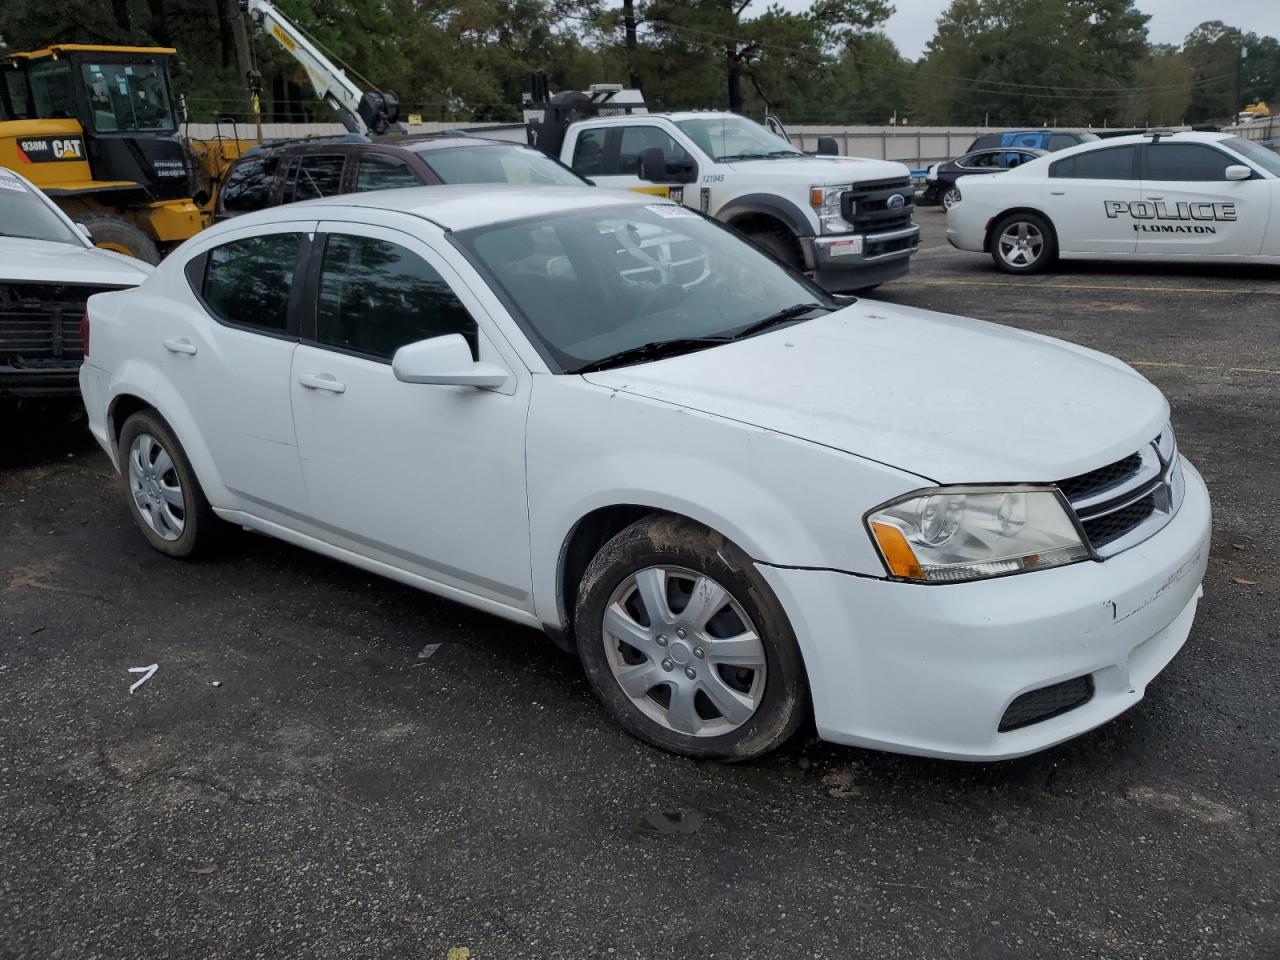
[1004, 61]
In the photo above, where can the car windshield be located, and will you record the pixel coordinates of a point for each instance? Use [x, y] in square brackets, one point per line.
[1268, 160]
[591, 284]
[498, 164]
[127, 96]
[23, 213]
[735, 138]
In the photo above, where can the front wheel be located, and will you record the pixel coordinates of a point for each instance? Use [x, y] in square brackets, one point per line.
[1023, 243]
[685, 644]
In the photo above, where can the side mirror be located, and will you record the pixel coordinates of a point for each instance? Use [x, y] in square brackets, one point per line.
[1238, 171]
[653, 165]
[446, 360]
[827, 147]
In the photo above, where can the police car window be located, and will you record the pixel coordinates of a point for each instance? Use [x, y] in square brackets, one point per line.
[1113, 163]
[636, 139]
[588, 153]
[1186, 161]
[248, 187]
[1259, 155]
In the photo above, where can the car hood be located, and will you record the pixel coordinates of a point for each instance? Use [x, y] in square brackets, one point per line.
[43, 261]
[949, 399]
[823, 170]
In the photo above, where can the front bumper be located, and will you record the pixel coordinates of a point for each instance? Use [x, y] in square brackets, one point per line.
[931, 669]
[845, 262]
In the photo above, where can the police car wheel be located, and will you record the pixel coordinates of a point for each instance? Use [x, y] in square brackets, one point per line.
[1023, 243]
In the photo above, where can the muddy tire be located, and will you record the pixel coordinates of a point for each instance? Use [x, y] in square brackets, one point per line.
[121, 236]
[686, 645]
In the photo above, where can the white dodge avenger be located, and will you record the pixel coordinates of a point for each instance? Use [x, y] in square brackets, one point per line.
[741, 502]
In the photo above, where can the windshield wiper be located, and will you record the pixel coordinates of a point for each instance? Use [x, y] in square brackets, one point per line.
[743, 156]
[784, 153]
[785, 315]
[654, 350]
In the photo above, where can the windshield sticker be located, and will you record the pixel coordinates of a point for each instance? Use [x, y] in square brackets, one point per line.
[671, 211]
[14, 185]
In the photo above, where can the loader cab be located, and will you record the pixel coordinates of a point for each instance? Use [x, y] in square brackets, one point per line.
[93, 117]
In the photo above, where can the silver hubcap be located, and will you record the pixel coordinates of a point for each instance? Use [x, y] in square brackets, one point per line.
[951, 198]
[156, 489]
[684, 651]
[1021, 244]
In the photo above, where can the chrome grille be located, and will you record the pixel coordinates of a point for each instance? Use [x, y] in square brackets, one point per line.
[866, 206]
[1123, 503]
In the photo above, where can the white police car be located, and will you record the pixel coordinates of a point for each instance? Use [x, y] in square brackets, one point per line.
[1190, 197]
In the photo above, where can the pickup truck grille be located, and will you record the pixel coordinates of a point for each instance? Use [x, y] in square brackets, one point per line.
[867, 205]
[1123, 503]
[40, 323]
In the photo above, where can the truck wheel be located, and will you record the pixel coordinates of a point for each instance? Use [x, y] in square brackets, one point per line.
[1023, 243]
[163, 493]
[685, 644]
[119, 235]
[779, 244]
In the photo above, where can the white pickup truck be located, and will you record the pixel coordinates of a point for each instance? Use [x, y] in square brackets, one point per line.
[845, 220]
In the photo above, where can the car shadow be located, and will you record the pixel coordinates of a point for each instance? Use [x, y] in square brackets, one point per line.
[37, 433]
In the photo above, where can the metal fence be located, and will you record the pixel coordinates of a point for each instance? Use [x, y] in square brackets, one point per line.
[1265, 132]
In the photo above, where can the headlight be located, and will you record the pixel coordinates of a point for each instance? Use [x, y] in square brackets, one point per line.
[826, 203]
[950, 534]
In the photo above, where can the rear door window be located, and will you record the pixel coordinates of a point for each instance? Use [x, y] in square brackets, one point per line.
[315, 176]
[248, 186]
[1186, 161]
[1112, 163]
[247, 282]
[377, 296]
[384, 173]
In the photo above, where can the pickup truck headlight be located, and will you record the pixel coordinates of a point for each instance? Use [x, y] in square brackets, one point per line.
[826, 203]
[952, 534]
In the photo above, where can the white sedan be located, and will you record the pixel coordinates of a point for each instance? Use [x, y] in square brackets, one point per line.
[610, 418]
[1180, 197]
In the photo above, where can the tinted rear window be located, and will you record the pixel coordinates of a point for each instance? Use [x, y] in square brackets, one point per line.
[247, 282]
[248, 186]
[1113, 163]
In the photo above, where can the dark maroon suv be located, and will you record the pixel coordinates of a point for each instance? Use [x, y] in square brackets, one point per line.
[321, 167]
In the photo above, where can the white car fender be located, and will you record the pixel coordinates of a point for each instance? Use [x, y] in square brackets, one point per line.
[687, 462]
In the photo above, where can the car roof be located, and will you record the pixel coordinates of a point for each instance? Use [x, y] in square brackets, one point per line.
[355, 141]
[455, 206]
[1189, 136]
[443, 141]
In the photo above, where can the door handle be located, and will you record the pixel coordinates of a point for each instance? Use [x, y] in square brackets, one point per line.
[1057, 193]
[322, 381]
[180, 346]
[1155, 198]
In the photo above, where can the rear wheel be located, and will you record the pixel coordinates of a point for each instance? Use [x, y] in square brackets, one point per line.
[685, 644]
[951, 197]
[163, 494]
[119, 235]
[1023, 243]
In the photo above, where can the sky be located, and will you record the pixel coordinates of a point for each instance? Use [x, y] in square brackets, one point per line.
[1171, 20]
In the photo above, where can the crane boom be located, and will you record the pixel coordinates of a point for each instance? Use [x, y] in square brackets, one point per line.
[361, 111]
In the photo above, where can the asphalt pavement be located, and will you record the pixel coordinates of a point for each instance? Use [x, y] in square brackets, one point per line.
[326, 764]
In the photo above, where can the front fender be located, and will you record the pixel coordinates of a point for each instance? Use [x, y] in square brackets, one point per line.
[766, 204]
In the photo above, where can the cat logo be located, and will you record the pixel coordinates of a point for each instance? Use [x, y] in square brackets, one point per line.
[50, 149]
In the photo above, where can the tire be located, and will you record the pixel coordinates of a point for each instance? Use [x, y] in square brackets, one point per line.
[157, 477]
[686, 697]
[1023, 243]
[779, 244]
[951, 196]
[116, 233]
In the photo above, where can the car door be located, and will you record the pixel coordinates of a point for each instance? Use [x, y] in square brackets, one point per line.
[1088, 197]
[426, 478]
[231, 367]
[1191, 209]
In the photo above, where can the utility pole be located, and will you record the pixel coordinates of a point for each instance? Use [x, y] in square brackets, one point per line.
[629, 42]
[1243, 52]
